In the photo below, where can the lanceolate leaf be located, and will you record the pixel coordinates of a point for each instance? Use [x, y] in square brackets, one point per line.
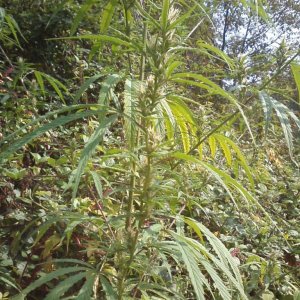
[283, 113]
[88, 150]
[217, 245]
[64, 286]
[224, 179]
[98, 184]
[107, 87]
[182, 125]
[296, 72]
[212, 87]
[184, 119]
[213, 145]
[80, 15]
[46, 278]
[86, 290]
[226, 151]
[107, 15]
[108, 289]
[41, 130]
[169, 119]
[130, 110]
[98, 37]
[40, 81]
[63, 110]
[268, 109]
[85, 86]
[195, 275]
[164, 14]
[195, 254]
[241, 158]
[56, 84]
[218, 52]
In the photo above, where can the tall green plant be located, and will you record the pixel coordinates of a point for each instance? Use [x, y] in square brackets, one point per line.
[148, 249]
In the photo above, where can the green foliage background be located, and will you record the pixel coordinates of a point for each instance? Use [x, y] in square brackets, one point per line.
[149, 150]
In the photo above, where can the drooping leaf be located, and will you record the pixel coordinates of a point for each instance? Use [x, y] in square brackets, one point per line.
[64, 286]
[283, 114]
[41, 130]
[85, 86]
[47, 278]
[88, 151]
[296, 72]
[98, 184]
[165, 14]
[86, 290]
[213, 88]
[226, 150]
[220, 54]
[80, 14]
[108, 289]
[131, 114]
[107, 15]
[99, 37]
[40, 81]
[195, 275]
[107, 87]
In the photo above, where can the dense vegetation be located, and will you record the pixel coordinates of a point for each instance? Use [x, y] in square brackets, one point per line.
[149, 149]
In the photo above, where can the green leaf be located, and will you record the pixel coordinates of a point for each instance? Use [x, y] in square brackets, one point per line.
[213, 145]
[184, 119]
[63, 110]
[296, 72]
[87, 288]
[218, 52]
[106, 89]
[224, 179]
[64, 286]
[131, 90]
[107, 15]
[9, 281]
[225, 149]
[184, 131]
[212, 87]
[88, 150]
[171, 67]
[242, 160]
[195, 275]
[164, 15]
[13, 27]
[217, 245]
[98, 37]
[108, 289]
[41, 130]
[283, 113]
[40, 81]
[46, 278]
[80, 15]
[182, 18]
[98, 184]
[56, 84]
[267, 108]
[147, 16]
[85, 86]
[170, 121]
